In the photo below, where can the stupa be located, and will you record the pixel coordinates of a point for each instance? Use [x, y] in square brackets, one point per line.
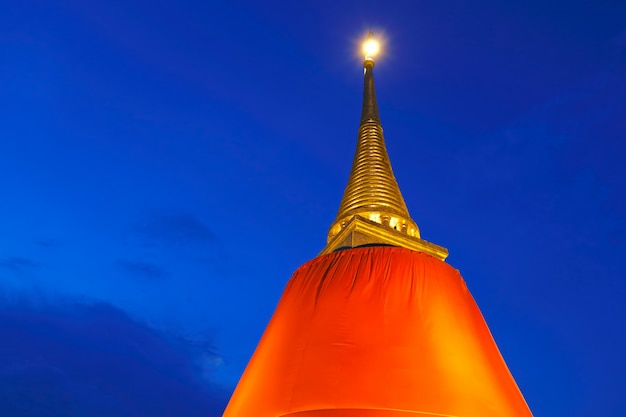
[378, 324]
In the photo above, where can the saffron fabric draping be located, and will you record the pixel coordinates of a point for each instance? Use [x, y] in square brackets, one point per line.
[377, 332]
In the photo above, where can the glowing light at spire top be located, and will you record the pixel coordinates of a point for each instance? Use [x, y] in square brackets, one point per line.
[371, 47]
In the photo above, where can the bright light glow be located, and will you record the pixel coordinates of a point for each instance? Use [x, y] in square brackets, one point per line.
[371, 48]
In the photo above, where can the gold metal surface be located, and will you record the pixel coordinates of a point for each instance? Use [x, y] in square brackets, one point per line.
[360, 232]
[372, 210]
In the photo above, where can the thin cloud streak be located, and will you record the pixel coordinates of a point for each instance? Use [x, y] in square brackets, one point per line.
[18, 263]
[142, 269]
[176, 229]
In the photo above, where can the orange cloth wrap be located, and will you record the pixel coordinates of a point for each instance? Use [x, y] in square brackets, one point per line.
[377, 332]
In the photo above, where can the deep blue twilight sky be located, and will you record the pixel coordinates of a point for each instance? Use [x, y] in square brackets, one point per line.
[166, 165]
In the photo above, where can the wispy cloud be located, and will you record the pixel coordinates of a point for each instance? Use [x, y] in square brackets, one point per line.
[207, 357]
[142, 269]
[177, 228]
[17, 263]
[94, 360]
[48, 243]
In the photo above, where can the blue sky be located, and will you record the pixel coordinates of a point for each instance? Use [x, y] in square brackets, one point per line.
[166, 166]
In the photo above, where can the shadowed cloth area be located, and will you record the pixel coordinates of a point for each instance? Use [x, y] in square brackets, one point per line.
[377, 331]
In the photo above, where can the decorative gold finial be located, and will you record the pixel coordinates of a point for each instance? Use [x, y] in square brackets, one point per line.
[372, 210]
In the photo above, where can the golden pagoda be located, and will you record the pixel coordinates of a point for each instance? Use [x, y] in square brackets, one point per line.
[372, 210]
[378, 324]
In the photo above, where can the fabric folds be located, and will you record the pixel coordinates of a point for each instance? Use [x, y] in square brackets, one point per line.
[380, 332]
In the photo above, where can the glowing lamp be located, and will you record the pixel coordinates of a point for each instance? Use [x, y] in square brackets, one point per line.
[371, 47]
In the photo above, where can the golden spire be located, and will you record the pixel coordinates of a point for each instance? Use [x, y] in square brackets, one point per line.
[372, 210]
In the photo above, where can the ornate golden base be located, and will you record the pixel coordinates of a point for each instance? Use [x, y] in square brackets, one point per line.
[360, 231]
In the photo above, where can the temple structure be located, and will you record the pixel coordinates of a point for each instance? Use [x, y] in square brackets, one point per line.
[378, 325]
